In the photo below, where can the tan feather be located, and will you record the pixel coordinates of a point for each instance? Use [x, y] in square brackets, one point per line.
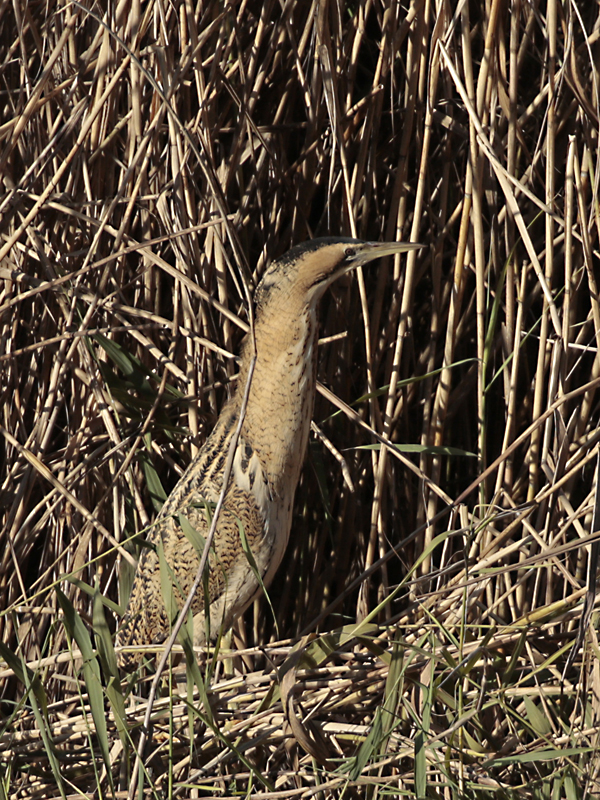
[268, 457]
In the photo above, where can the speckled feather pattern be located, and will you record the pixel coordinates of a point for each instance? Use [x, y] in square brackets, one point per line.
[266, 465]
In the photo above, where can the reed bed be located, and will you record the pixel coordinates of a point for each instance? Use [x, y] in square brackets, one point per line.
[435, 625]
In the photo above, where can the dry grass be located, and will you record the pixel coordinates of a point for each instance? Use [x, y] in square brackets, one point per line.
[154, 157]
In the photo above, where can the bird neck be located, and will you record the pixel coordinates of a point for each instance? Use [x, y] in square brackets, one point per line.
[281, 395]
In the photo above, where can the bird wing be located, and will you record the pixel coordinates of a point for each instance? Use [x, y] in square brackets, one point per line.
[181, 530]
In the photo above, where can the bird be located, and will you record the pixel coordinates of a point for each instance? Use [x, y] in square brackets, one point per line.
[257, 510]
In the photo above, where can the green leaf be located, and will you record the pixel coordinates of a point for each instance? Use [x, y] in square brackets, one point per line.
[193, 674]
[320, 649]
[167, 581]
[195, 537]
[131, 367]
[254, 567]
[393, 688]
[39, 704]
[41, 718]
[539, 722]
[548, 754]
[406, 382]
[420, 739]
[419, 448]
[368, 747]
[153, 482]
[199, 543]
[91, 675]
[108, 659]
[89, 590]
[26, 676]
[572, 787]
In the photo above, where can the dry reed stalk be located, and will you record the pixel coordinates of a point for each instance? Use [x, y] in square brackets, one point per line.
[153, 160]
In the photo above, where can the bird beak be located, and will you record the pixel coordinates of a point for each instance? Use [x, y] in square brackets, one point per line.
[371, 250]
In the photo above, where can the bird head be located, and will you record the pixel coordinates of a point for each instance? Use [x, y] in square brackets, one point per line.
[311, 267]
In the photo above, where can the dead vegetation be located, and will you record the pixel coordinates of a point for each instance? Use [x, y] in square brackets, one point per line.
[154, 157]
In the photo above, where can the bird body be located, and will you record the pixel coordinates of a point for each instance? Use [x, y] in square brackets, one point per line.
[257, 509]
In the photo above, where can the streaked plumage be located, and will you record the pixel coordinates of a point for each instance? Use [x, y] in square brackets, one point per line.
[268, 457]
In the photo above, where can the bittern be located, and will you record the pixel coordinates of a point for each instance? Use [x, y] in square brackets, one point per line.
[257, 510]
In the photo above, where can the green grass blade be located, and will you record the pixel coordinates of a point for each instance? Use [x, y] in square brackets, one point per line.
[39, 704]
[108, 660]
[153, 482]
[421, 738]
[428, 449]
[369, 747]
[254, 567]
[91, 676]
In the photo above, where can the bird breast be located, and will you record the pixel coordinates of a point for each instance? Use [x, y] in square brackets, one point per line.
[281, 397]
[276, 424]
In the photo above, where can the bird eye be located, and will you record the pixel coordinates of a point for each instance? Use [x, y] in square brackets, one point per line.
[349, 253]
